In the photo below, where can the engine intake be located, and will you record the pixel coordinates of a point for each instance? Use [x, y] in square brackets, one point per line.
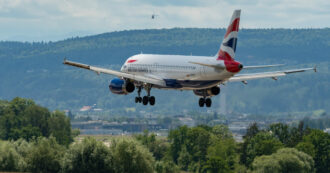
[120, 86]
[208, 92]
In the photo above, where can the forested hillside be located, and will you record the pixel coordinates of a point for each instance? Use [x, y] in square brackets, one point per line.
[35, 70]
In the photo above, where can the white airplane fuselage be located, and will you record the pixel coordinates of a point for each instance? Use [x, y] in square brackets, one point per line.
[179, 71]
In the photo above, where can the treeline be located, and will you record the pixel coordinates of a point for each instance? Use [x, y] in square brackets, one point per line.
[177, 41]
[279, 148]
[46, 155]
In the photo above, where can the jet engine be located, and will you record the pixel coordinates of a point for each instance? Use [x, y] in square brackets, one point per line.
[120, 86]
[208, 92]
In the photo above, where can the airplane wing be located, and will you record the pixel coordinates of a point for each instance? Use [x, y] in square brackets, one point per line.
[273, 75]
[99, 70]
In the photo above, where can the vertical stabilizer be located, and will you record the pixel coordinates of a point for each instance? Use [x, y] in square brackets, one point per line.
[228, 45]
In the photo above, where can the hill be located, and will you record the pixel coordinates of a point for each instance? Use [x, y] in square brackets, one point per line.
[35, 70]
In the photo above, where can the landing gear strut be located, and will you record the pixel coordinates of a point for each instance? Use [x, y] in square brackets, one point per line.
[146, 99]
[138, 99]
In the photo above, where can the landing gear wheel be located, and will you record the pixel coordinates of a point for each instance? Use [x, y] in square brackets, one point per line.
[208, 102]
[201, 102]
[152, 100]
[138, 99]
[145, 100]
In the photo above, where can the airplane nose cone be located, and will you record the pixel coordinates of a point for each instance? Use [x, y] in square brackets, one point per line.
[233, 66]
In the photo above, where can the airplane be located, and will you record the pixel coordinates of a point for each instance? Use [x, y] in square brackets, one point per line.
[153, 16]
[203, 75]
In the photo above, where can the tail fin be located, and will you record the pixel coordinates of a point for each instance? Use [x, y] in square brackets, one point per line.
[228, 45]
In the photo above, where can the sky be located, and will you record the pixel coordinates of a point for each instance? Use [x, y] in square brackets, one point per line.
[53, 20]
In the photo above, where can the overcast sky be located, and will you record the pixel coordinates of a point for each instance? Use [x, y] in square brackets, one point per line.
[52, 20]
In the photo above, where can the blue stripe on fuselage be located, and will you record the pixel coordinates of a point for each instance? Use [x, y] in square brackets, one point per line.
[177, 84]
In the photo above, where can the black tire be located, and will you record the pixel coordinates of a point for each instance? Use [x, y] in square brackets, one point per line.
[145, 100]
[215, 90]
[152, 100]
[130, 87]
[201, 102]
[136, 99]
[140, 99]
[208, 102]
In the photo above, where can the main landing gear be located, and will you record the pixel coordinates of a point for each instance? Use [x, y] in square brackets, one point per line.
[146, 99]
[205, 101]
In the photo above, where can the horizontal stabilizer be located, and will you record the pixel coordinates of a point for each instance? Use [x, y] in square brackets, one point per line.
[262, 66]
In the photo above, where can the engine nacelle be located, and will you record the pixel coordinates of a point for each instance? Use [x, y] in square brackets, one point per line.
[208, 92]
[120, 86]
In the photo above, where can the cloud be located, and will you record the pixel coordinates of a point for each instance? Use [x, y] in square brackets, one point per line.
[58, 19]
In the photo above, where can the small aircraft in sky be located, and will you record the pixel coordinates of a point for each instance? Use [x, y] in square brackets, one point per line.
[200, 74]
[153, 16]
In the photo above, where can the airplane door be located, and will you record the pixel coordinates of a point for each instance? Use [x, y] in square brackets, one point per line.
[202, 71]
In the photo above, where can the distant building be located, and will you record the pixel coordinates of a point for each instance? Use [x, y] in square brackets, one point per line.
[187, 121]
[85, 108]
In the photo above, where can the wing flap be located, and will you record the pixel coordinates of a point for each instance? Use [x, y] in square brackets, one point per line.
[117, 73]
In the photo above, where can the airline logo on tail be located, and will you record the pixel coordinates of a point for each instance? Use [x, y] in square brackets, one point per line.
[228, 45]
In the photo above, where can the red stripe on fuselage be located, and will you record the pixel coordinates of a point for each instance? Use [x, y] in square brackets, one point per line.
[233, 27]
[130, 61]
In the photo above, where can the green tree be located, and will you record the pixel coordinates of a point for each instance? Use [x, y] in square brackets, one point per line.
[166, 167]
[284, 160]
[251, 131]
[264, 143]
[22, 118]
[158, 147]
[198, 140]
[222, 131]
[60, 128]
[184, 159]
[44, 155]
[281, 131]
[307, 148]
[10, 160]
[226, 150]
[130, 156]
[216, 164]
[88, 156]
[177, 139]
[321, 144]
